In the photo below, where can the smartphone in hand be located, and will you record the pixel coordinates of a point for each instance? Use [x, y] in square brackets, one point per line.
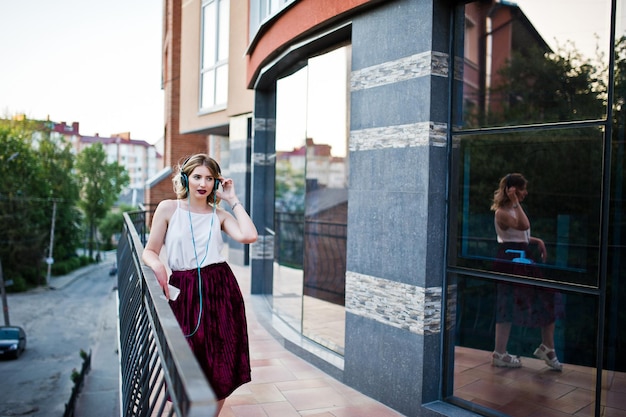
[174, 292]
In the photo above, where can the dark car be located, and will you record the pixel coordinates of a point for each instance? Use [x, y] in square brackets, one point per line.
[12, 341]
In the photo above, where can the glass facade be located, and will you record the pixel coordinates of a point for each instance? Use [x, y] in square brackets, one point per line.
[311, 198]
[539, 94]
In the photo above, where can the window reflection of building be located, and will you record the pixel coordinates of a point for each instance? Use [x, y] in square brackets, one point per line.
[310, 221]
[531, 126]
[493, 32]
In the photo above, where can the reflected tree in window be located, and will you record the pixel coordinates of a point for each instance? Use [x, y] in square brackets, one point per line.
[549, 87]
[539, 87]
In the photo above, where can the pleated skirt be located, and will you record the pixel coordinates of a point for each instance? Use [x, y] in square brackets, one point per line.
[214, 323]
[524, 304]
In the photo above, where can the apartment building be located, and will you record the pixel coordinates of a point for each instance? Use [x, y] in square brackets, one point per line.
[140, 158]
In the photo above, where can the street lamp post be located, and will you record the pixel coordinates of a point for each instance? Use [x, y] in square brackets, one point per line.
[5, 305]
[50, 259]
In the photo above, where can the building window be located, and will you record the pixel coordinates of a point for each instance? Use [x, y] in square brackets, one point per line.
[311, 200]
[262, 10]
[214, 55]
[533, 100]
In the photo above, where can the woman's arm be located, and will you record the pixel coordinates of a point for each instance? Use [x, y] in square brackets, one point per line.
[542, 247]
[240, 226]
[506, 220]
[151, 252]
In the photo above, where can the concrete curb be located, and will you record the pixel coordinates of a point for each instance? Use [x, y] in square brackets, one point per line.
[62, 281]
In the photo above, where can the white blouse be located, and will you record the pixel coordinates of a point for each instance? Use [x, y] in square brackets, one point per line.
[180, 237]
[511, 234]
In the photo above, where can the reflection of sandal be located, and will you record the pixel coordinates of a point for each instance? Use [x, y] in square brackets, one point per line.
[549, 357]
[505, 360]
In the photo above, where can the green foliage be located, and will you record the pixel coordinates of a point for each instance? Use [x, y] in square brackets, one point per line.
[75, 376]
[113, 223]
[36, 171]
[290, 187]
[550, 87]
[539, 86]
[100, 186]
[71, 264]
[58, 165]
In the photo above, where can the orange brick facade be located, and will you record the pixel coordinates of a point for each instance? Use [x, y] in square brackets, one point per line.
[177, 146]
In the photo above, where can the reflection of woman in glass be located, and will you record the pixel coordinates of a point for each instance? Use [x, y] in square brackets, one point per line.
[524, 305]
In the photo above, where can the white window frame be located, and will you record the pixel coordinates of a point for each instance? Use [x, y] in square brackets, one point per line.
[215, 27]
[263, 10]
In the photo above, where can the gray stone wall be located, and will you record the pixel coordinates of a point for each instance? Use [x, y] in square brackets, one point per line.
[262, 204]
[240, 141]
[396, 207]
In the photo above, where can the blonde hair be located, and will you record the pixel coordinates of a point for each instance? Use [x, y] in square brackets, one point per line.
[500, 197]
[181, 189]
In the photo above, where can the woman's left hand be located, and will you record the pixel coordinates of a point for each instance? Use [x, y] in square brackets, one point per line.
[543, 253]
[227, 190]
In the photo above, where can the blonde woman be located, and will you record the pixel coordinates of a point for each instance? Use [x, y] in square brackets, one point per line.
[522, 305]
[209, 307]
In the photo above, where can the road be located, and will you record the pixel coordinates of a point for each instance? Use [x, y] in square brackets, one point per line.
[59, 323]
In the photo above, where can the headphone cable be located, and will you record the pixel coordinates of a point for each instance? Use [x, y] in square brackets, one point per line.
[206, 252]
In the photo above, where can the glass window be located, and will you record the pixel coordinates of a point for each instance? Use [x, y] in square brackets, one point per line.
[614, 335]
[521, 319]
[290, 196]
[312, 199]
[534, 61]
[214, 71]
[531, 264]
[262, 10]
[561, 201]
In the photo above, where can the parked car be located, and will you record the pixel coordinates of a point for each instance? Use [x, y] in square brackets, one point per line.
[12, 341]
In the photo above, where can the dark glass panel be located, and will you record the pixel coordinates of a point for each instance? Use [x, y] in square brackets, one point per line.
[534, 389]
[615, 337]
[564, 169]
[533, 61]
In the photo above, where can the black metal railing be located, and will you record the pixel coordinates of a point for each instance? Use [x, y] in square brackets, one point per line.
[160, 376]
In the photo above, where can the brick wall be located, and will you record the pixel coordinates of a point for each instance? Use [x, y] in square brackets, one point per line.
[177, 146]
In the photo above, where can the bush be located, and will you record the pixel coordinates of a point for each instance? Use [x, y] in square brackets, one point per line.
[19, 284]
[66, 266]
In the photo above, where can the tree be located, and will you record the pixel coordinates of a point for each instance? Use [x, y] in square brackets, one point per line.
[540, 87]
[113, 223]
[37, 172]
[100, 186]
[57, 162]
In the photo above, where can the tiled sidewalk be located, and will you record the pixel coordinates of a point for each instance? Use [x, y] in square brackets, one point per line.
[284, 385]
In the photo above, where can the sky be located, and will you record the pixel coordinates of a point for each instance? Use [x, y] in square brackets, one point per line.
[587, 22]
[94, 62]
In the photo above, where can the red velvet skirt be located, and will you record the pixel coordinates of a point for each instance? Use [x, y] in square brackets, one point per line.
[219, 340]
[524, 304]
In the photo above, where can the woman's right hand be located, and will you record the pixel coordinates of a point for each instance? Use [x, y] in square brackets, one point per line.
[160, 272]
[511, 192]
[153, 247]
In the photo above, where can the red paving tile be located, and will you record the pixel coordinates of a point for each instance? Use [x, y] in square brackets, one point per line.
[284, 385]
